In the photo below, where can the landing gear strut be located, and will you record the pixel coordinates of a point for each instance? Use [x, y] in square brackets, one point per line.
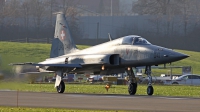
[150, 87]
[132, 87]
[61, 87]
[59, 84]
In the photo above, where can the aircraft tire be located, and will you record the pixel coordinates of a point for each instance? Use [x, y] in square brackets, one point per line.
[132, 88]
[150, 90]
[61, 87]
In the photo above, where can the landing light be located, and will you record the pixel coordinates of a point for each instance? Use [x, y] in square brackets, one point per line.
[103, 68]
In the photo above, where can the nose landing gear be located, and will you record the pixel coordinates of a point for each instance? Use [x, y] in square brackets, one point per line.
[59, 83]
[150, 89]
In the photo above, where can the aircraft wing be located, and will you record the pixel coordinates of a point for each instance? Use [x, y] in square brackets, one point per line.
[50, 65]
[33, 73]
[161, 67]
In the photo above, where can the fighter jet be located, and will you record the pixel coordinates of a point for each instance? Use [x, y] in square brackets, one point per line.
[112, 57]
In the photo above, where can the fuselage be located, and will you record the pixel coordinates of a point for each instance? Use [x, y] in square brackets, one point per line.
[131, 54]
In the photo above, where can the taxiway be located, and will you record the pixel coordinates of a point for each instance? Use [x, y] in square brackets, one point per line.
[99, 101]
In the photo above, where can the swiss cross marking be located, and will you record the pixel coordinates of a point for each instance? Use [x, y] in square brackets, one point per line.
[62, 35]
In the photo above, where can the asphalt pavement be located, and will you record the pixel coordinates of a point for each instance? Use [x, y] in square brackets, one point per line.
[99, 101]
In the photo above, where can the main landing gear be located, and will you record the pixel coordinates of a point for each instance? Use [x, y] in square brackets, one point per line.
[61, 87]
[150, 87]
[59, 83]
[132, 87]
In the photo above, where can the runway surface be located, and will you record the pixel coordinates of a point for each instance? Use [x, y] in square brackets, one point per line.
[99, 101]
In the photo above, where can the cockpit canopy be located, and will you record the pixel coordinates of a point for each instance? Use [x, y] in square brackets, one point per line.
[134, 40]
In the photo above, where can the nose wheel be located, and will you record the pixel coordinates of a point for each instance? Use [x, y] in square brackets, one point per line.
[150, 89]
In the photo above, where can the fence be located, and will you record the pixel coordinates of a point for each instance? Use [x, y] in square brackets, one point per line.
[30, 40]
[94, 30]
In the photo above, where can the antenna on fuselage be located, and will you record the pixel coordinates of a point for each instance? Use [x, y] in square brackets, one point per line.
[109, 36]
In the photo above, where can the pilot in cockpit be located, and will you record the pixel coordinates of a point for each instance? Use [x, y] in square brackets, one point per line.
[136, 40]
[139, 40]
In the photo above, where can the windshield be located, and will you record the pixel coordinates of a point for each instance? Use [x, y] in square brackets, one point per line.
[131, 40]
[184, 77]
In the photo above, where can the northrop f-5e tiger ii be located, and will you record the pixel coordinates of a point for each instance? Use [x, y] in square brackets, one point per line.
[112, 57]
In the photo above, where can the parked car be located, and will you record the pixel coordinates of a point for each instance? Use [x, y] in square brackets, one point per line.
[188, 79]
[95, 78]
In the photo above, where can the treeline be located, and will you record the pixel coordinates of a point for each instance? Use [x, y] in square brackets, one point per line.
[160, 18]
[186, 11]
[31, 18]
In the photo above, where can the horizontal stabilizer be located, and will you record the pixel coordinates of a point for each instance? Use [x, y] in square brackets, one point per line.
[27, 63]
[51, 65]
[36, 73]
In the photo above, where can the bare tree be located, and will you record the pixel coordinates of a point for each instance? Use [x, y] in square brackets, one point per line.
[196, 12]
[25, 14]
[163, 11]
[11, 13]
[101, 7]
[187, 10]
[2, 15]
[38, 14]
[71, 12]
[64, 5]
[154, 7]
[186, 6]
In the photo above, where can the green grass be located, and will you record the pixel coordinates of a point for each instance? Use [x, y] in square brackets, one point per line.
[192, 61]
[12, 52]
[159, 90]
[24, 109]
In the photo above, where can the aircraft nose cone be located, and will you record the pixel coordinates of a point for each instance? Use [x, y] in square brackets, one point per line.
[179, 56]
[183, 56]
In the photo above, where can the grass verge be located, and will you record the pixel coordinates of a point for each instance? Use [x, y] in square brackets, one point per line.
[24, 109]
[159, 90]
[13, 52]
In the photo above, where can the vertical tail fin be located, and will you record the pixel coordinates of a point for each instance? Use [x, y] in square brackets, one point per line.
[62, 42]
